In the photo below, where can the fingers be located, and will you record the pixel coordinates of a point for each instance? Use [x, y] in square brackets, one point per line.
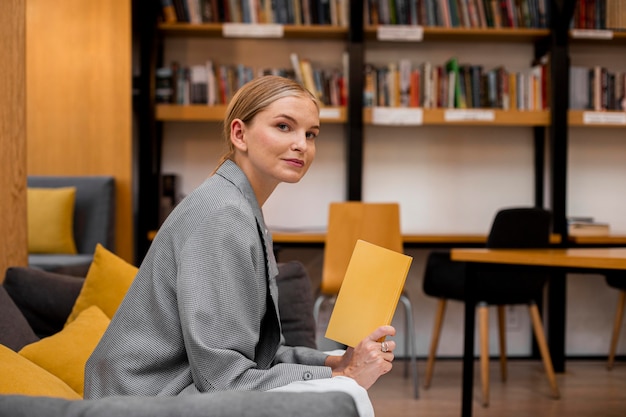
[382, 332]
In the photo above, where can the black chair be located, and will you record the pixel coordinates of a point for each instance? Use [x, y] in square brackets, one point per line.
[616, 280]
[512, 228]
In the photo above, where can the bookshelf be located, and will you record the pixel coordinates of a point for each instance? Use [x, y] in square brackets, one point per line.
[596, 146]
[549, 128]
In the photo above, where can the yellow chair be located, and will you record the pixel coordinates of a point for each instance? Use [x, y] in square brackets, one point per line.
[377, 223]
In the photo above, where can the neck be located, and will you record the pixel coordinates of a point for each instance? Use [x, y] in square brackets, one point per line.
[260, 185]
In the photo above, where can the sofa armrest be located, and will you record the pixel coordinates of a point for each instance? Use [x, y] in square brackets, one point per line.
[220, 404]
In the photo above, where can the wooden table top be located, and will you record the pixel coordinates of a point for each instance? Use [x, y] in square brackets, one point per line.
[601, 258]
[445, 238]
[320, 237]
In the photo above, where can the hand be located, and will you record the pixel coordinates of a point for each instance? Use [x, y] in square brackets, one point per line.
[366, 362]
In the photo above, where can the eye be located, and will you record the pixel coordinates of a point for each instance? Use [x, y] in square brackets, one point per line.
[283, 126]
[311, 135]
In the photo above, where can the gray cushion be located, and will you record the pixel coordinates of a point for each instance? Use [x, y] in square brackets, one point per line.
[94, 212]
[222, 404]
[45, 298]
[15, 332]
[295, 304]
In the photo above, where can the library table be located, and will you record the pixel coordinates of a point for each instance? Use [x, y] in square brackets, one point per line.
[318, 238]
[412, 240]
[586, 260]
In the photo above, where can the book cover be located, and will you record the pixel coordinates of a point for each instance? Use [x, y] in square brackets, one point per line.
[369, 293]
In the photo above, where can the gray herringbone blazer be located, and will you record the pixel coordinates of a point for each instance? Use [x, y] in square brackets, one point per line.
[199, 316]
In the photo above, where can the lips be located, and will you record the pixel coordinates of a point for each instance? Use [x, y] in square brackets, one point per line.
[295, 162]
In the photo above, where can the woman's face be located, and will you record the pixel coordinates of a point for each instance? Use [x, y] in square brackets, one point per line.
[279, 143]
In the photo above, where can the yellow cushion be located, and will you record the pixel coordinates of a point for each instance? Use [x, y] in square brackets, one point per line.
[18, 375]
[65, 354]
[106, 283]
[50, 214]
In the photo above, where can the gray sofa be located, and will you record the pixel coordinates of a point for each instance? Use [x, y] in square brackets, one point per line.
[94, 221]
[35, 303]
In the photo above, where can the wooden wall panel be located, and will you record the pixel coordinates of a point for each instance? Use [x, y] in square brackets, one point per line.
[13, 236]
[79, 112]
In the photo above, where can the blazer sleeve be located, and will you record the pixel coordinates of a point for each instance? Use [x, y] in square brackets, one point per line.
[222, 301]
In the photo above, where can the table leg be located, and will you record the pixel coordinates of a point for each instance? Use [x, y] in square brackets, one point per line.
[557, 288]
[468, 350]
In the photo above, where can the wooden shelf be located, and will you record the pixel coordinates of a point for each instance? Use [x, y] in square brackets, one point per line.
[435, 33]
[501, 118]
[614, 119]
[204, 113]
[289, 31]
[618, 37]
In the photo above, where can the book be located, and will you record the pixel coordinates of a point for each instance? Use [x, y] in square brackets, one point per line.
[588, 229]
[168, 11]
[452, 66]
[164, 90]
[586, 226]
[369, 293]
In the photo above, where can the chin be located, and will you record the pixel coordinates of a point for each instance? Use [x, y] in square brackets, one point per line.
[292, 177]
[292, 180]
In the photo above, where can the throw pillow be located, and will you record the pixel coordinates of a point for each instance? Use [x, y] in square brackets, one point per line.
[45, 298]
[65, 353]
[106, 284]
[50, 214]
[18, 375]
[15, 332]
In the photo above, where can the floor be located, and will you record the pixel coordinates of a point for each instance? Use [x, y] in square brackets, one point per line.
[587, 389]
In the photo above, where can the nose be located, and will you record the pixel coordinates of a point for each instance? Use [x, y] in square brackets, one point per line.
[299, 143]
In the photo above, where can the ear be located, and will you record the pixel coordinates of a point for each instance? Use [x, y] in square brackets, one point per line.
[237, 136]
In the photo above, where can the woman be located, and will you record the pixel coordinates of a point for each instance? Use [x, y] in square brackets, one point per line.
[202, 314]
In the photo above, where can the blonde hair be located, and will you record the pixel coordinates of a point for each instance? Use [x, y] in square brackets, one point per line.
[254, 97]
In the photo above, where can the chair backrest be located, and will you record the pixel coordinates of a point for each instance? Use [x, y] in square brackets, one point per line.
[377, 223]
[520, 227]
[94, 211]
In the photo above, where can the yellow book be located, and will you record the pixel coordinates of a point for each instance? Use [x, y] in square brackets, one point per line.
[369, 293]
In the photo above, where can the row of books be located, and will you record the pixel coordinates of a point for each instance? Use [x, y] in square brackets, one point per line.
[459, 13]
[293, 12]
[454, 85]
[597, 89]
[600, 14]
[214, 84]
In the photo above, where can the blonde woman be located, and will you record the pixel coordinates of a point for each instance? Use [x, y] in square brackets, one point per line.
[201, 315]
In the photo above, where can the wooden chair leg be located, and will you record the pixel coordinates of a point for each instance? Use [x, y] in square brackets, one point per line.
[502, 339]
[543, 348]
[617, 325]
[434, 342]
[483, 317]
